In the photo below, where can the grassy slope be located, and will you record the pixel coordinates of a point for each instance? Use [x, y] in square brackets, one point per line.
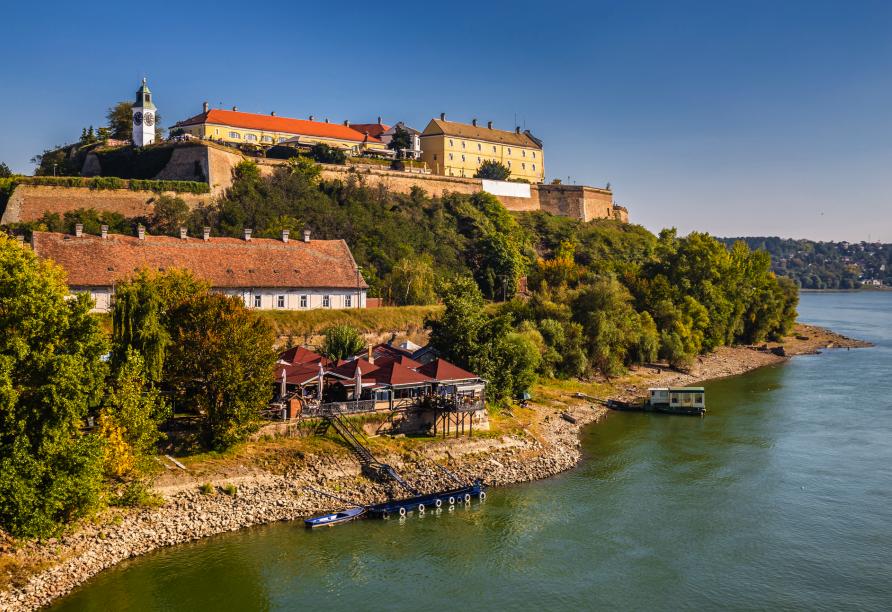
[366, 320]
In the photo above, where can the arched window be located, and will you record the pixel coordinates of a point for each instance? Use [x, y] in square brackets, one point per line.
[235, 135]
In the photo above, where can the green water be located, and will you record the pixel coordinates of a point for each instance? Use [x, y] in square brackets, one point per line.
[781, 498]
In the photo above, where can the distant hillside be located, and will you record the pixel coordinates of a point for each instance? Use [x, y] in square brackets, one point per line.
[825, 265]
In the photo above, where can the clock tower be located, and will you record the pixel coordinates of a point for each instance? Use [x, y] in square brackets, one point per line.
[143, 117]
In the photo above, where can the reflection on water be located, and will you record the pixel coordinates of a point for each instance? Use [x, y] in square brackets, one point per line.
[779, 498]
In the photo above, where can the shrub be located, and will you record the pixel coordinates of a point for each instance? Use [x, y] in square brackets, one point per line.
[341, 341]
[325, 154]
[230, 490]
[493, 170]
[207, 489]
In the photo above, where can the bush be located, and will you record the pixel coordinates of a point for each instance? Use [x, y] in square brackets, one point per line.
[230, 490]
[341, 342]
[207, 489]
[325, 154]
[493, 170]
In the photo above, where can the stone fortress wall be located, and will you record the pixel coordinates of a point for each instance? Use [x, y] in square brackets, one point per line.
[214, 163]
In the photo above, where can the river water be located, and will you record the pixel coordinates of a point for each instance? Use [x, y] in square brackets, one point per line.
[781, 497]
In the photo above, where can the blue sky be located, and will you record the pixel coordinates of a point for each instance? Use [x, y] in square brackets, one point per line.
[737, 118]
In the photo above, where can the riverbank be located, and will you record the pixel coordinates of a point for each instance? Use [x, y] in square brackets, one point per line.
[539, 444]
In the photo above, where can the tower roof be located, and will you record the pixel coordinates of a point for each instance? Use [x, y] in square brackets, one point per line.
[144, 97]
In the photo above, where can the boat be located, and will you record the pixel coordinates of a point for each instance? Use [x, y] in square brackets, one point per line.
[689, 401]
[428, 501]
[336, 518]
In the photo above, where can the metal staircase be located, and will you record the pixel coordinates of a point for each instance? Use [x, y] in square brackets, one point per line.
[357, 441]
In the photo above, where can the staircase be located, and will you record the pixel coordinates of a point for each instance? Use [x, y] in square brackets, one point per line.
[357, 441]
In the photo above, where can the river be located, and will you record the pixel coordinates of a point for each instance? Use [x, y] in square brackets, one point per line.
[781, 497]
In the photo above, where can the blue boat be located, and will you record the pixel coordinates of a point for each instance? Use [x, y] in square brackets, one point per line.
[335, 518]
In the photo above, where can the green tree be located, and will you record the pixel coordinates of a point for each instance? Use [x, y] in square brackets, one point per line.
[5, 172]
[493, 170]
[51, 377]
[412, 281]
[120, 122]
[401, 141]
[130, 417]
[220, 365]
[325, 154]
[169, 215]
[341, 341]
[141, 318]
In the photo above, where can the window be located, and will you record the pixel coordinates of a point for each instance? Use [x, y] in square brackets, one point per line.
[523, 166]
[463, 157]
[148, 97]
[280, 301]
[523, 152]
[509, 150]
[494, 148]
[235, 135]
[462, 144]
[451, 144]
[450, 157]
[435, 157]
[534, 155]
[217, 131]
[303, 301]
[251, 137]
[479, 147]
[348, 301]
[282, 139]
[266, 138]
[326, 301]
[509, 163]
[534, 167]
[256, 301]
[478, 159]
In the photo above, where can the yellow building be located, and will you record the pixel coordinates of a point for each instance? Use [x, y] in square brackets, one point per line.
[458, 149]
[267, 130]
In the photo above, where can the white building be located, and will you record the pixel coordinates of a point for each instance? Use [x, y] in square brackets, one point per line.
[144, 112]
[267, 274]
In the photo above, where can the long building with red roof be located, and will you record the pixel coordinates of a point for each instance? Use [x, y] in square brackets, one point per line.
[235, 126]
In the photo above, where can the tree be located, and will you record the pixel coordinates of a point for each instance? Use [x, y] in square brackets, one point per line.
[493, 170]
[325, 154]
[5, 172]
[341, 342]
[412, 281]
[141, 318]
[130, 417]
[169, 215]
[120, 122]
[401, 141]
[51, 377]
[220, 364]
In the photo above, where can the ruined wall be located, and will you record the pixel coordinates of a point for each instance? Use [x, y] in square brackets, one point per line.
[30, 202]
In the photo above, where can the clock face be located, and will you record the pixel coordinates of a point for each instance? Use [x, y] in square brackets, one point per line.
[149, 119]
[137, 118]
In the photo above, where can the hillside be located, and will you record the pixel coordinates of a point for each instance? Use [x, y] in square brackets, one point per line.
[825, 265]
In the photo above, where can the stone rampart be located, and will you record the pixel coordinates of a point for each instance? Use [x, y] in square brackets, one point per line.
[30, 202]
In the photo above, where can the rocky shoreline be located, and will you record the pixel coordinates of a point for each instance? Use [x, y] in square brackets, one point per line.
[187, 514]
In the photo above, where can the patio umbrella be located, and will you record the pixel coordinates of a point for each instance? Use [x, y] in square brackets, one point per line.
[321, 379]
[284, 388]
[357, 390]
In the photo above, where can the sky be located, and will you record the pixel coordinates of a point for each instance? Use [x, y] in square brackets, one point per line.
[735, 118]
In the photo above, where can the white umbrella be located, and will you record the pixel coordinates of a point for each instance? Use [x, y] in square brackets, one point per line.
[357, 390]
[321, 379]
[284, 389]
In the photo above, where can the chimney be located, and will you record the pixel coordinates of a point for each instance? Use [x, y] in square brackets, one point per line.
[248, 233]
[235, 108]
[285, 234]
[489, 124]
[272, 113]
[474, 122]
[326, 120]
[141, 231]
[306, 235]
[206, 233]
[204, 107]
[183, 233]
[379, 120]
[312, 118]
[371, 357]
[78, 230]
[442, 116]
[517, 130]
[347, 122]
[103, 231]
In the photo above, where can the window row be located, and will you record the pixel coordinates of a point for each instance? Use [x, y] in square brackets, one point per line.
[523, 152]
[303, 301]
[253, 137]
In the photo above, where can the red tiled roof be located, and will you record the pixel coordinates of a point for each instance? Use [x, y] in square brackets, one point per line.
[441, 370]
[298, 374]
[372, 129]
[300, 355]
[271, 123]
[91, 261]
[400, 359]
[348, 369]
[396, 374]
